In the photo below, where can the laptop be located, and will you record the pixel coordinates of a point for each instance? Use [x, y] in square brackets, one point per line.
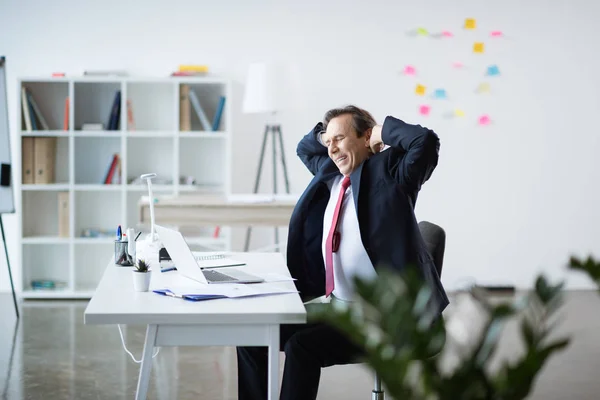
[188, 266]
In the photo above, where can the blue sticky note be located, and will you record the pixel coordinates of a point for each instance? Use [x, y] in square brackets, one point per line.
[493, 70]
[439, 93]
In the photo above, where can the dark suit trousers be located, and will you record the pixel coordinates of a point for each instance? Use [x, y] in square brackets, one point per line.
[308, 348]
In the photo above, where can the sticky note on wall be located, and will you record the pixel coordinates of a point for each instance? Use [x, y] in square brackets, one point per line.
[440, 93]
[424, 109]
[420, 90]
[478, 47]
[470, 23]
[483, 87]
[410, 70]
[493, 70]
[484, 120]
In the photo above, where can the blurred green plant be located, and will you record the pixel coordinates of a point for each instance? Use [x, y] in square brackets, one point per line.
[394, 321]
[589, 266]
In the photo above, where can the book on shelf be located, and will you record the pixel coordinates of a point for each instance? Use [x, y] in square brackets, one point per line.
[130, 119]
[185, 113]
[66, 115]
[116, 72]
[92, 126]
[191, 70]
[115, 113]
[32, 115]
[113, 174]
[199, 111]
[218, 114]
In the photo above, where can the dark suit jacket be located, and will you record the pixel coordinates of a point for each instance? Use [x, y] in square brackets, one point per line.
[385, 188]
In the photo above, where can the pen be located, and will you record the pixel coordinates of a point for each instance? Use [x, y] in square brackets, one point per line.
[138, 235]
[119, 233]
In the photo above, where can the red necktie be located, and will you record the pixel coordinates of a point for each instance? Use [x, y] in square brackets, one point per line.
[333, 240]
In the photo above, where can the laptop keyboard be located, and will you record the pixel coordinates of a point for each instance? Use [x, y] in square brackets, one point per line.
[217, 276]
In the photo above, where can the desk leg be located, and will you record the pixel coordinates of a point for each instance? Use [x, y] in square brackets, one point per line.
[273, 332]
[144, 378]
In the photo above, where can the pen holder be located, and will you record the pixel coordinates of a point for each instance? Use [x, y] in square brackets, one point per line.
[122, 257]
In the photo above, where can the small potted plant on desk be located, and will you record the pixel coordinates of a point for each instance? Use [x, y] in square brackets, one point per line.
[141, 276]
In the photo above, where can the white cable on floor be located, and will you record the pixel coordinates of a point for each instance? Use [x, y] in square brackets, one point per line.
[128, 352]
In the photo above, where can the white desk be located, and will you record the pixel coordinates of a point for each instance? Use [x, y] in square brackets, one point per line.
[236, 210]
[174, 322]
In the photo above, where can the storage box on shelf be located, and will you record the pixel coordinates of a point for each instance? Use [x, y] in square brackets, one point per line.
[84, 143]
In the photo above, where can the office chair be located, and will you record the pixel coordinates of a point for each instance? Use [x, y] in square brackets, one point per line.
[435, 241]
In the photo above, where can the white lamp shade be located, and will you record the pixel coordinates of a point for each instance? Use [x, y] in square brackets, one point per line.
[262, 92]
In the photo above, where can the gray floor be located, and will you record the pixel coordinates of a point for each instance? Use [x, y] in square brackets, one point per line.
[52, 355]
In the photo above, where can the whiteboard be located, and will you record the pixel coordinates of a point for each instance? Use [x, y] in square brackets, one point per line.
[6, 180]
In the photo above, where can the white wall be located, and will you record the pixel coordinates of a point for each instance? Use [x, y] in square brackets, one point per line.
[515, 198]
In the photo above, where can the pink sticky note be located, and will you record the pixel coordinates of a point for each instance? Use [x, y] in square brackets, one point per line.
[484, 120]
[496, 33]
[410, 70]
[447, 34]
[424, 110]
[457, 64]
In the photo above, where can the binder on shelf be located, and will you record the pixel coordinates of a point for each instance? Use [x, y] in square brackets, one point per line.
[199, 111]
[63, 214]
[218, 114]
[185, 111]
[44, 159]
[27, 160]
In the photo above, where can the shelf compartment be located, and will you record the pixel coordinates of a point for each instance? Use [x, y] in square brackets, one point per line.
[201, 159]
[90, 262]
[41, 214]
[50, 98]
[45, 160]
[145, 155]
[93, 158]
[46, 262]
[208, 96]
[151, 105]
[94, 103]
[97, 214]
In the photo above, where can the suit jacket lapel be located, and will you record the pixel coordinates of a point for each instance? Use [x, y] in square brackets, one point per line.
[355, 181]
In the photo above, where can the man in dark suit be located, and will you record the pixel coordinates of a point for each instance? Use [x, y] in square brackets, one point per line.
[356, 214]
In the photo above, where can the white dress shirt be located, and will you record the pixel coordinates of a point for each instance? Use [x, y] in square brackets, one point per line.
[351, 259]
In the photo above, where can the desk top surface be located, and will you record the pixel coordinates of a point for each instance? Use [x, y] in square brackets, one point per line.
[116, 302]
[236, 200]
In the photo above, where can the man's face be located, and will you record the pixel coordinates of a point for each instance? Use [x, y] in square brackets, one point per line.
[345, 148]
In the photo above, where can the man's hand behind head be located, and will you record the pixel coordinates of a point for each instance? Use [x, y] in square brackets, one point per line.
[375, 142]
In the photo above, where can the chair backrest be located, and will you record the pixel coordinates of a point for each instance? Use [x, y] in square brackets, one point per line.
[435, 240]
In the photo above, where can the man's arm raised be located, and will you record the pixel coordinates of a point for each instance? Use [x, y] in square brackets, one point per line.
[310, 150]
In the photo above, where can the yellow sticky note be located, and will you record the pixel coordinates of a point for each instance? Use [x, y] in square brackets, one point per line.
[478, 47]
[470, 23]
[459, 113]
[483, 87]
[420, 90]
[422, 31]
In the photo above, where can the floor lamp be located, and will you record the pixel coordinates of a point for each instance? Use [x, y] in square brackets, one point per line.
[260, 96]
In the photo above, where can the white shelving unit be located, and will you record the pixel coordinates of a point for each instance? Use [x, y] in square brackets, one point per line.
[155, 144]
